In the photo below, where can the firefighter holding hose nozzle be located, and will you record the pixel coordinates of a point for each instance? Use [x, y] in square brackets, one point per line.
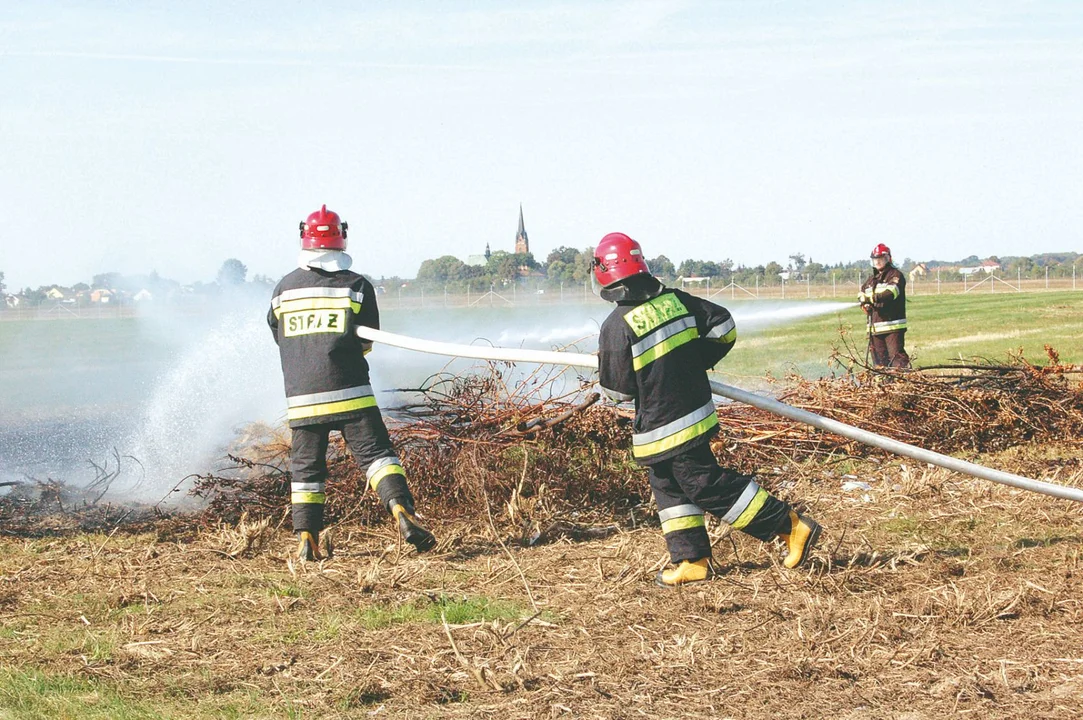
[655, 349]
[883, 298]
[314, 313]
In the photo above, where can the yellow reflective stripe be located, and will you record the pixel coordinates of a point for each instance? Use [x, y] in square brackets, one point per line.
[391, 469]
[750, 512]
[893, 289]
[320, 303]
[657, 351]
[307, 497]
[331, 408]
[729, 338]
[676, 439]
[683, 523]
[887, 326]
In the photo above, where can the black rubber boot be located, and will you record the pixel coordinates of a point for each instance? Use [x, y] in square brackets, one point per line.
[411, 532]
[308, 547]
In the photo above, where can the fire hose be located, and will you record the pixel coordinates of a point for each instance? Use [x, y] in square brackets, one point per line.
[504, 354]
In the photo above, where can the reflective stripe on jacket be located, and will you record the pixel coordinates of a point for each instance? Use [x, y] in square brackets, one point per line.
[657, 353]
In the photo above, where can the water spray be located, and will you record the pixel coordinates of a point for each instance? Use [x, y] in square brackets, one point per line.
[504, 354]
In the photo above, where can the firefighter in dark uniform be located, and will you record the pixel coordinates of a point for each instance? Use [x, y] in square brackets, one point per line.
[314, 312]
[883, 298]
[655, 349]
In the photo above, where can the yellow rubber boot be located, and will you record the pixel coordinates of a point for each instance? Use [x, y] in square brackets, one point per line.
[411, 532]
[802, 537]
[308, 546]
[688, 571]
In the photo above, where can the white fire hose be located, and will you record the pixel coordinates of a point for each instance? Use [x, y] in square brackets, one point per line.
[481, 352]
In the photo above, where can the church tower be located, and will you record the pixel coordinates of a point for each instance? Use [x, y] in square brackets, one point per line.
[522, 244]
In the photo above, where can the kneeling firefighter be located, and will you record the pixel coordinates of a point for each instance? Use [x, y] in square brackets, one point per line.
[655, 349]
[314, 313]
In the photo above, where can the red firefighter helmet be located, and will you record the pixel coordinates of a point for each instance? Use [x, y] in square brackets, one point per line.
[881, 250]
[618, 257]
[323, 230]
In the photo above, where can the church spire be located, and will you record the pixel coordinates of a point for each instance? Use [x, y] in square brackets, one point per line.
[522, 243]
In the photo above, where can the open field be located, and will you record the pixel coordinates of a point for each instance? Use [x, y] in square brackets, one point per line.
[931, 594]
[943, 328]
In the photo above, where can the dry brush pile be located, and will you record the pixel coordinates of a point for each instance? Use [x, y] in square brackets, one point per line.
[534, 460]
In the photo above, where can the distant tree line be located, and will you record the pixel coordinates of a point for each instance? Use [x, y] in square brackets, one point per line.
[570, 267]
[563, 267]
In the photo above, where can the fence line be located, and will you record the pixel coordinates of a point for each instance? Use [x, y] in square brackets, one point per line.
[839, 289]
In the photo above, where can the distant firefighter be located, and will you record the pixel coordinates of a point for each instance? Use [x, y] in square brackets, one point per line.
[883, 298]
[655, 349]
[314, 313]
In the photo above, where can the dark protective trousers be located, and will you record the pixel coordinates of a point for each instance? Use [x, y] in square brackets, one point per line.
[888, 349]
[371, 447]
[695, 480]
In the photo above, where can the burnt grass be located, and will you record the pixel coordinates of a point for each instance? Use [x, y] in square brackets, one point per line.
[931, 593]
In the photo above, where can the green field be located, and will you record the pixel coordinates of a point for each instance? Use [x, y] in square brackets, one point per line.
[943, 328]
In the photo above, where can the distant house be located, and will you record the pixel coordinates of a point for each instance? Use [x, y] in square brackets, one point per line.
[143, 295]
[692, 280]
[918, 271]
[12, 301]
[54, 293]
[987, 266]
[101, 295]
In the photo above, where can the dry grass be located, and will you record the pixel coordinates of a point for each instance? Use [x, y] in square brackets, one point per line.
[932, 594]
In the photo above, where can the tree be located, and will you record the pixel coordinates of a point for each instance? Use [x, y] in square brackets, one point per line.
[503, 267]
[566, 255]
[447, 268]
[107, 280]
[232, 272]
[699, 268]
[798, 261]
[771, 271]
[662, 267]
[34, 297]
[2, 285]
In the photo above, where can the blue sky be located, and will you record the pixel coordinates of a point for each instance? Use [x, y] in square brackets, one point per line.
[139, 136]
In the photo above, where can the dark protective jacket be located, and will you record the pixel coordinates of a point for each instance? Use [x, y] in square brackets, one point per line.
[884, 295]
[657, 352]
[313, 317]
